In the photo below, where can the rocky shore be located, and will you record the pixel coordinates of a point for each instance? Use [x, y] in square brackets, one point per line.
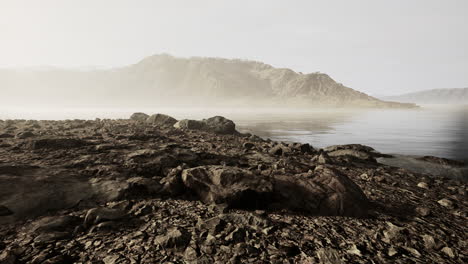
[153, 189]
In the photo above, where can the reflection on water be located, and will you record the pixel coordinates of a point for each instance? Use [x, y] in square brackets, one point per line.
[438, 132]
[428, 131]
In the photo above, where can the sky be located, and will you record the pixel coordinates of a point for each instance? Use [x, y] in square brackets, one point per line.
[380, 47]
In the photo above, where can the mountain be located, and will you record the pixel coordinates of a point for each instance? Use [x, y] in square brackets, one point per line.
[164, 80]
[434, 96]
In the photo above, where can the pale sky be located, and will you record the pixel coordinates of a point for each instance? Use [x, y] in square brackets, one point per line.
[376, 46]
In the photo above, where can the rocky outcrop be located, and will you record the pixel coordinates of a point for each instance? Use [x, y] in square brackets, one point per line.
[216, 124]
[135, 192]
[161, 120]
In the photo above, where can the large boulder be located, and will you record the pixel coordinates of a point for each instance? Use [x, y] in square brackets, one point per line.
[234, 186]
[324, 192]
[216, 124]
[161, 120]
[140, 117]
[220, 125]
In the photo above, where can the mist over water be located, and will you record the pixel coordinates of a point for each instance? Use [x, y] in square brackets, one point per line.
[427, 131]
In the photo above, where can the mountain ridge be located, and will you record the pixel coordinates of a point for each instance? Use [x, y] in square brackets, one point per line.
[433, 96]
[167, 80]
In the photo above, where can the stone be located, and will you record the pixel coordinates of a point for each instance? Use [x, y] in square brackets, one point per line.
[175, 238]
[328, 256]
[325, 192]
[102, 214]
[234, 186]
[217, 124]
[140, 117]
[446, 203]
[161, 120]
[423, 185]
[423, 211]
[449, 252]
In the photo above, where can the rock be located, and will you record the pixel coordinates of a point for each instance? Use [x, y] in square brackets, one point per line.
[51, 224]
[234, 186]
[26, 134]
[140, 185]
[248, 145]
[140, 117]
[57, 143]
[190, 124]
[323, 158]
[328, 256]
[111, 259]
[220, 125]
[7, 257]
[6, 135]
[449, 252]
[97, 215]
[217, 124]
[446, 203]
[325, 192]
[175, 238]
[161, 120]
[429, 242]
[277, 150]
[423, 185]
[4, 211]
[423, 211]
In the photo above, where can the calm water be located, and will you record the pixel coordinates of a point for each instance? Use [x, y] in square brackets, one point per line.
[428, 131]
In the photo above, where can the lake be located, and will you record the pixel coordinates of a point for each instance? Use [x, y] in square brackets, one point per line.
[433, 131]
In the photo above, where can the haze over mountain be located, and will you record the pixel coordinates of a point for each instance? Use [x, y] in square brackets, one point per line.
[164, 80]
[433, 96]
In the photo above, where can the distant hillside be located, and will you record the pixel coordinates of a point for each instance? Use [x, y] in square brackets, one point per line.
[434, 96]
[163, 80]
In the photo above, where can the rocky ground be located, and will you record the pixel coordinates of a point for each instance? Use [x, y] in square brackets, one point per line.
[157, 190]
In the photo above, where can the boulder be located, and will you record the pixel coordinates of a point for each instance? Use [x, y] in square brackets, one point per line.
[323, 192]
[190, 124]
[220, 125]
[161, 120]
[140, 117]
[216, 124]
[234, 186]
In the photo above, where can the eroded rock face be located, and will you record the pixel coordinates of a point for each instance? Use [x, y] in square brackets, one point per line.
[161, 120]
[234, 186]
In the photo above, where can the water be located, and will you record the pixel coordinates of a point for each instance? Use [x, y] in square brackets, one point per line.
[439, 131]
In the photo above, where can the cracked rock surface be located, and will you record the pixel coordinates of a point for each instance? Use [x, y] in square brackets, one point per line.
[153, 190]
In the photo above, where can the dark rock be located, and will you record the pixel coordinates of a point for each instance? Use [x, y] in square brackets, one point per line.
[161, 120]
[26, 134]
[233, 186]
[141, 117]
[217, 124]
[220, 125]
[248, 145]
[326, 192]
[57, 143]
[4, 211]
[6, 135]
